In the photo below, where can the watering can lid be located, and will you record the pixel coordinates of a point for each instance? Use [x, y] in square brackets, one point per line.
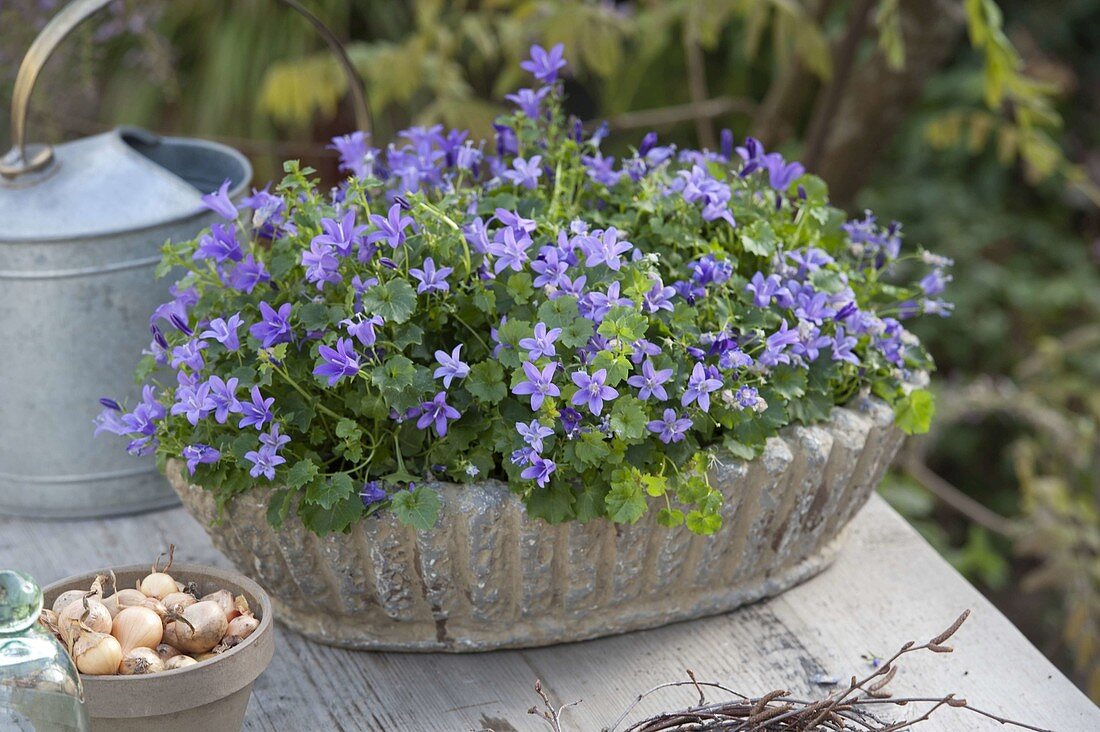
[119, 181]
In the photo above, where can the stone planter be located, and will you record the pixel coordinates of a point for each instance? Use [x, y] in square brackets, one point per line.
[488, 576]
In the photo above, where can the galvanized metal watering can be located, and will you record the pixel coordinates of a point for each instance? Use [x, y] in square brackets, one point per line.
[81, 226]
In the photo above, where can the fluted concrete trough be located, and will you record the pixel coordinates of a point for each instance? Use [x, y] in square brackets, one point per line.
[489, 576]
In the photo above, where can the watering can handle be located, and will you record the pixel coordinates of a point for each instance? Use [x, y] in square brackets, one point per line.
[24, 159]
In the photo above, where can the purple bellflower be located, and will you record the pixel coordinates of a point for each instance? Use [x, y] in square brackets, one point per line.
[671, 428]
[525, 173]
[342, 235]
[321, 263]
[363, 328]
[220, 203]
[198, 453]
[390, 228]
[247, 274]
[436, 413]
[539, 470]
[338, 362]
[544, 65]
[274, 326]
[256, 413]
[264, 461]
[430, 278]
[224, 331]
[699, 387]
[539, 384]
[451, 366]
[533, 433]
[542, 343]
[219, 245]
[592, 390]
[649, 382]
[224, 396]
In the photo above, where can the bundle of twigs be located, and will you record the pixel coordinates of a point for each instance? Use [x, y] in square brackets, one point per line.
[859, 707]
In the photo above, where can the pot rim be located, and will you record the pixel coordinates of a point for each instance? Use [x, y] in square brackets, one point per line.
[237, 659]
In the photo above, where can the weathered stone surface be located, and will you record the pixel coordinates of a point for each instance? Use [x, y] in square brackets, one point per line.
[488, 576]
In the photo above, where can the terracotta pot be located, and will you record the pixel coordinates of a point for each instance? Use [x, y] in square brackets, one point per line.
[211, 695]
[489, 576]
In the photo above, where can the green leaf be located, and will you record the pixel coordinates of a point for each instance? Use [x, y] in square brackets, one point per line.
[243, 443]
[559, 312]
[576, 332]
[628, 419]
[691, 488]
[827, 280]
[788, 381]
[301, 473]
[395, 374]
[485, 300]
[617, 366]
[418, 509]
[394, 301]
[913, 412]
[655, 485]
[759, 238]
[486, 382]
[337, 518]
[408, 335]
[348, 429]
[740, 450]
[625, 502]
[670, 517]
[513, 331]
[624, 324]
[519, 287]
[552, 504]
[589, 501]
[700, 522]
[279, 506]
[814, 406]
[146, 366]
[313, 315]
[591, 448]
[327, 493]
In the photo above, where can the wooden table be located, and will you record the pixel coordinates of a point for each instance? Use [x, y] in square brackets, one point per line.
[887, 587]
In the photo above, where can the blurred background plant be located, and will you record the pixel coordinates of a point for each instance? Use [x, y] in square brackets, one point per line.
[973, 121]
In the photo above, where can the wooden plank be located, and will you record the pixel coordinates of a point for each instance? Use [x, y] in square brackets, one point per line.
[887, 586]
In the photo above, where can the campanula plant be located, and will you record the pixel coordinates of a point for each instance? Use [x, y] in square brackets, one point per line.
[593, 331]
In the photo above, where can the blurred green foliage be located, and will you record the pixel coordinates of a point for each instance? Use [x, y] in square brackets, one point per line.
[1021, 356]
[990, 157]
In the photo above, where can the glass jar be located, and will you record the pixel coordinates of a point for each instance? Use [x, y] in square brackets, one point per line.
[39, 686]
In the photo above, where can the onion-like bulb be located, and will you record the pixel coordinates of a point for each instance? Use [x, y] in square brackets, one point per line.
[140, 661]
[224, 599]
[49, 620]
[66, 598]
[88, 614]
[97, 654]
[167, 652]
[158, 583]
[199, 628]
[180, 661]
[178, 601]
[137, 627]
[124, 599]
[240, 628]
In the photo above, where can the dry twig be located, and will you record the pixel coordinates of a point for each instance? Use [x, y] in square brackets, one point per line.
[856, 708]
